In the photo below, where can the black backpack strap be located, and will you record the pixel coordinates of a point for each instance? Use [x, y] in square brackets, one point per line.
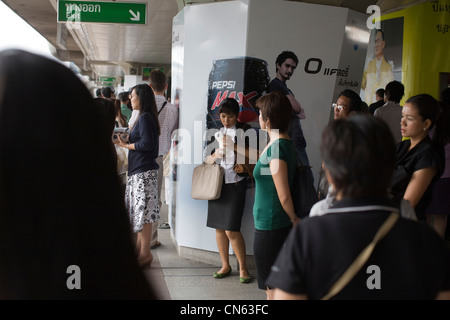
[164, 104]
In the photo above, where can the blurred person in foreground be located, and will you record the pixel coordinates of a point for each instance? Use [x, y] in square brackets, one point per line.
[359, 158]
[64, 231]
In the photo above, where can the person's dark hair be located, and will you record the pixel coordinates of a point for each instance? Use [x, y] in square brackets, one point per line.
[276, 107]
[158, 80]
[98, 92]
[124, 96]
[364, 107]
[380, 93]
[229, 106]
[147, 99]
[107, 92]
[395, 91]
[72, 213]
[355, 100]
[427, 106]
[282, 57]
[359, 154]
[119, 117]
[382, 33]
[108, 114]
[106, 108]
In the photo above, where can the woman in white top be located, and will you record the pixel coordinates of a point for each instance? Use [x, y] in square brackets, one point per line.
[225, 213]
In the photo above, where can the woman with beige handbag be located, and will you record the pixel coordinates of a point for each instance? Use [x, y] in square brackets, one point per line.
[225, 213]
[361, 249]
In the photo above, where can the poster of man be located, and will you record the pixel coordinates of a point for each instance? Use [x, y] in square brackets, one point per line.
[384, 59]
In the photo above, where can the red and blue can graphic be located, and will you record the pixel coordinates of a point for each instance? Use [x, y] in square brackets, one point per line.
[244, 79]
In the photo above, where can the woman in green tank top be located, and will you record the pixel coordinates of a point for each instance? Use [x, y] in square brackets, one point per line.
[273, 209]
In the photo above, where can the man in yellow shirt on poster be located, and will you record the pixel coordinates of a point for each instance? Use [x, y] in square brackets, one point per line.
[379, 71]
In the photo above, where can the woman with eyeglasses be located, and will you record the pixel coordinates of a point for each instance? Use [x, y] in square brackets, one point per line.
[349, 102]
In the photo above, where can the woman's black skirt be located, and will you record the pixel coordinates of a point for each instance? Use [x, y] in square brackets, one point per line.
[226, 212]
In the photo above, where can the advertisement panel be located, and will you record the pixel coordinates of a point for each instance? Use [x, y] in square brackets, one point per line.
[211, 32]
[384, 58]
[277, 26]
[425, 46]
[176, 98]
[234, 56]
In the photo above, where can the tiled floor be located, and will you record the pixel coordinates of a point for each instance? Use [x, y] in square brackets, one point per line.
[177, 278]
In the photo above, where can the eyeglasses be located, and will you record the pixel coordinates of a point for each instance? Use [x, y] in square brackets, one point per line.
[338, 106]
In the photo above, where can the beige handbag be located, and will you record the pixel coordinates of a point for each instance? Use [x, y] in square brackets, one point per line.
[207, 180]
[359, 262]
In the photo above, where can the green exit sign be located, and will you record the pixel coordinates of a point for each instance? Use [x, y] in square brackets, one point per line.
[106, 79]
[102, 12]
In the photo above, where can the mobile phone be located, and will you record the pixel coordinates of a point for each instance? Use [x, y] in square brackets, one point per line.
[122, 132]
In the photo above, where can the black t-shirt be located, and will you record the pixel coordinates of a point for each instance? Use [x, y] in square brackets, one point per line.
[413, 261]
[374, 106]
[295, 130]
[422, 156]
[277, 85]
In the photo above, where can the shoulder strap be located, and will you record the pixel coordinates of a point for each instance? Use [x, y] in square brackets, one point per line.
[164, 104]
[348, 275]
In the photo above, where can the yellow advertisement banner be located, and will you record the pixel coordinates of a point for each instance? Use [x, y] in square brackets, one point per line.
[426, 46]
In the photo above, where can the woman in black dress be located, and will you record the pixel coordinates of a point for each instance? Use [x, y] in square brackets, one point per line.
[417, 160]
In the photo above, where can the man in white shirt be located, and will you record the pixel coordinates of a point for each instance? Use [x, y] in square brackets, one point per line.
[168, 122]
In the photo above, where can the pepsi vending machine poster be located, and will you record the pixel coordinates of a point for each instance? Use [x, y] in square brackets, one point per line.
[242, 78]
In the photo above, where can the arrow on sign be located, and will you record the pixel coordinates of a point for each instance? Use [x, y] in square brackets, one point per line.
[136, 17]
